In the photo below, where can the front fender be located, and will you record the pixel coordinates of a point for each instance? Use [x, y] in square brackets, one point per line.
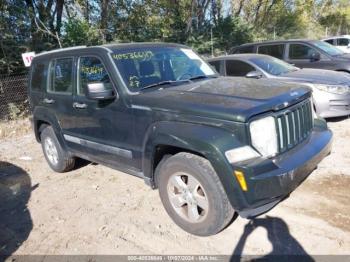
[209, 141]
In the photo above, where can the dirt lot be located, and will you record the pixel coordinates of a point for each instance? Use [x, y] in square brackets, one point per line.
[97, 210]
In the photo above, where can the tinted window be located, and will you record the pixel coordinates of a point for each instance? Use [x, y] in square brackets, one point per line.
[343, 41]
[237, 68]
[216, 65]
[329, 41]
[39, 76]
[272, 50]
[245, 49]
[91, 70]
[61, 76]
[300, 51]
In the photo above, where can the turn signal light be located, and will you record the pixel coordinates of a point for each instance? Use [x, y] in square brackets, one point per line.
[241, 180]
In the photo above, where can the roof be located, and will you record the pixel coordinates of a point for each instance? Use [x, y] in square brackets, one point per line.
[278, 41]
[238, 56]
[142, 44]
[113, 47]
[336, 36]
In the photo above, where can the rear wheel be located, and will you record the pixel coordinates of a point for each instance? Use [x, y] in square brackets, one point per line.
[193, 195]
[58, 159]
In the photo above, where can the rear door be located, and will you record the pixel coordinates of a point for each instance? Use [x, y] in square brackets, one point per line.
[275, 50]
[58, 94]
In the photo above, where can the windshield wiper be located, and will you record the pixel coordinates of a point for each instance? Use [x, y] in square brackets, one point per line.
[167, 82]
[202, 77]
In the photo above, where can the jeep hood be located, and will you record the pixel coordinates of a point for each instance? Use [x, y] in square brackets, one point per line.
[227, 98]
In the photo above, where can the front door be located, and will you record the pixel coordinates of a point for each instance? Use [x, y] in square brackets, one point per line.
[301, 55]
[102, 128]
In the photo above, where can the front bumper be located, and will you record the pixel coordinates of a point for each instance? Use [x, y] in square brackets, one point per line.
[269, 181]
[331, 105]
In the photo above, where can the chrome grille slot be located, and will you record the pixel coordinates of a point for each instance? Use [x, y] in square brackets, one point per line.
[294, 125]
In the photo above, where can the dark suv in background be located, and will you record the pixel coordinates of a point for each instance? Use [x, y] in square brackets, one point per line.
[214, 146]
[301, 53]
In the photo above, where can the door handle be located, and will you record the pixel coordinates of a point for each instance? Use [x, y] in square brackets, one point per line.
[79, 105]
[48, 101]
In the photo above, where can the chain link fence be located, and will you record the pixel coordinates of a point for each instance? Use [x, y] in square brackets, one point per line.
[13, 96]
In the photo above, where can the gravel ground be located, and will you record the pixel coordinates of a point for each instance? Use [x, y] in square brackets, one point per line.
[97, 210]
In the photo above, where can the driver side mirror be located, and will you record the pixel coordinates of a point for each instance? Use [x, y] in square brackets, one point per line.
[254, 74]
[99, 91]
[315, 56]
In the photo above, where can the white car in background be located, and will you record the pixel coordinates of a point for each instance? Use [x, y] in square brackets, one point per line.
[342, 42]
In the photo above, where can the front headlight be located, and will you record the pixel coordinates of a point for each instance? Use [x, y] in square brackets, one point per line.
[264, 136]
[335, 89]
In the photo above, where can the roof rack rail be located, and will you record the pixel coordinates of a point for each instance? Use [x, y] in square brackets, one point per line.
[61, 49]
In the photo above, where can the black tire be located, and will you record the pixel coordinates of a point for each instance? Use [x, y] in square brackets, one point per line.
[220, 212]
[64, 161]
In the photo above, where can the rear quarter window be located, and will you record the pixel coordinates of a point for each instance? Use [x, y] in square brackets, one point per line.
[272, 50]
[216, 64]
[245, 49]
[39, 76]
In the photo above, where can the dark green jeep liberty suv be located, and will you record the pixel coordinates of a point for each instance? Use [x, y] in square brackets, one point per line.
[213, 146]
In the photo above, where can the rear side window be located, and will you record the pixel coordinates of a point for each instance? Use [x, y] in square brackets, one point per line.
[272, 50]
[238, 68]
[245, 49]
[330, 41]
[216, 65]
[300, 51]
[39, 76]
[61, 76]
[343, 41]
[91, 69]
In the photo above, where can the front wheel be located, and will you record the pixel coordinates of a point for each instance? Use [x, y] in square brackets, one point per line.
[193, 195]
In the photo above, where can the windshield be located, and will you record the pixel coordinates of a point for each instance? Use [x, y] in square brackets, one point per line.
[147, 66]
[273, 66]
[328, 48]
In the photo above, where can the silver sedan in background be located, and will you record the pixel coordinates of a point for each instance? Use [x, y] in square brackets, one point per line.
[331, 89]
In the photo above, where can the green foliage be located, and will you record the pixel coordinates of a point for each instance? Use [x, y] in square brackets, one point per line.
[206, 25]
[79, 32]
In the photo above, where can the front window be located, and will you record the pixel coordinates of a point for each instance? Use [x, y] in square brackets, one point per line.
[91, 70]
[143, 67]
[329, 49]
[272, 65]
[301, 51]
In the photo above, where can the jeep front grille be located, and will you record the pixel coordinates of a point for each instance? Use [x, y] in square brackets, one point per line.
[294, 125]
